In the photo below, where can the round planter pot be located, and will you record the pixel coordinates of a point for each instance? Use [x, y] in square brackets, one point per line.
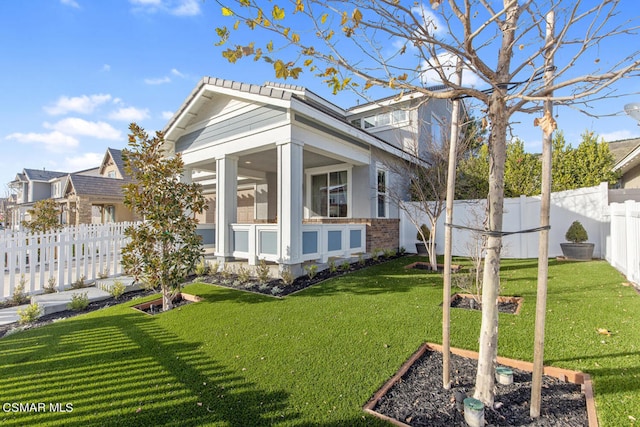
[577, 251]
[421, 249]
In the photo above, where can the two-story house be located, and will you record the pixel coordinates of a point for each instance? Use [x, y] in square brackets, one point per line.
[292, 177]
[85, 197]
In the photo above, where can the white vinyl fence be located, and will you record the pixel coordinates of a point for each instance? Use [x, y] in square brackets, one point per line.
[613, 229]
[623, 245]
[67, 255]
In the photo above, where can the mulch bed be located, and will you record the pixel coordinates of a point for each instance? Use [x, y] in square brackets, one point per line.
[418, 398]
[509, 305]
[97, 305]
[276, 287]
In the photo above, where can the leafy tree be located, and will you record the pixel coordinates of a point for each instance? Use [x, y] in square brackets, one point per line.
[472, 174]
[522, 172]
[563, 174]
[45, 217]
[406, 47]
[593, 162]
[164, 248]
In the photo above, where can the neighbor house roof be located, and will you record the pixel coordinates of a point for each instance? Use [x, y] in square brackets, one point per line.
[626, 153]
[85, 185]
[42, 175]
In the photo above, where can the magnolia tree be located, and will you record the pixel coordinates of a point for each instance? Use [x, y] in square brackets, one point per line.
[44, 217]
[366, 45]
[164, 247]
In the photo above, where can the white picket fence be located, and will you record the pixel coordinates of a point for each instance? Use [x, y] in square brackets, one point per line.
[67, 255]
[623, 245]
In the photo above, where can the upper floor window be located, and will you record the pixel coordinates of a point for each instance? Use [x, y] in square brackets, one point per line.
[437, 128]
[111, 174]
[382, 119]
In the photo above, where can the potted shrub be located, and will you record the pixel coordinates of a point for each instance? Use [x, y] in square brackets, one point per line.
[577, 249]
[421, 248]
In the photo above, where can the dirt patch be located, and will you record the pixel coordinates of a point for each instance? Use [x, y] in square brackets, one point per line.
[155, 306]
[509, 305]
[415, 397]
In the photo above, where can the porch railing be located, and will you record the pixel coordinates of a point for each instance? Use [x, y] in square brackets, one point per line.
[319, 241]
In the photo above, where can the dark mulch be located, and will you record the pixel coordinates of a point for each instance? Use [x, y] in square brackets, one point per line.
[97, 305]
[418, 399]
[469, 303]
[277, 287]
[154, 309]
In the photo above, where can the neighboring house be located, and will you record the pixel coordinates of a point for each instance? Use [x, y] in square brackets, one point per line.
[95, 196]
[30, 186]
[627, 157]
[291, 177]
[87, 196]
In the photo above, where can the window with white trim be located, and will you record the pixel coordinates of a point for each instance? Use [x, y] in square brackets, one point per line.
[330, 194]
[436, 131]
[382, 199]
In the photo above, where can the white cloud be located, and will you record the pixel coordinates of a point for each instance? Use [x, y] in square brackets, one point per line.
[175, 72]
[167, 115]
[106, 68]
[173, 7]
[71, 3]
[130, 114]
[83, 161]
[77, 126]
[53, 141]
[430, 20]
[158, 81]
[448, 63]
[78, 104]
[617, 135]
[186, 8]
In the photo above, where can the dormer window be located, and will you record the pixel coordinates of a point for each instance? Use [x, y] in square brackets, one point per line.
[111, 174]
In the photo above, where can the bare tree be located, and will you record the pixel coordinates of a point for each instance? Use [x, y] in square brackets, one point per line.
[404, 46]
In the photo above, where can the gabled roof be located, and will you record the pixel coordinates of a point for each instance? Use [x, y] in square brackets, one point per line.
[116, 156]
[626, 153]
[42, 175]
[85, 185]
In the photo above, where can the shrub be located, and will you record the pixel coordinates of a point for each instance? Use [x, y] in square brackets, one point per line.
[402, 250]
[117, 289]
[79, 301]
[332, 266]
[311, 270]
[50, 287]
[424, 230]
[345, 266]
[361, 260]
[576, 233]
[226, 272]
[202, 268]
[104, 274]
[213, 267]
[29, 314]
[287, 276]
[78, 284]
[19, 296]
[244, 275]
[388, 253]
[263, 272]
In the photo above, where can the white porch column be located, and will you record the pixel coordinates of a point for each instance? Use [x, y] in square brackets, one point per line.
[226, 203]
[187, 175]
[290, 203]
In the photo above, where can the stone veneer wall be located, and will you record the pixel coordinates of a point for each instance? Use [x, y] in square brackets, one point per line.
[382, 233]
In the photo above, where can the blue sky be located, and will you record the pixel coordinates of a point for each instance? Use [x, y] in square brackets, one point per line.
[76, 72]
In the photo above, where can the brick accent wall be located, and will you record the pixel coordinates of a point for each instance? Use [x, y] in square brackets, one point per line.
[382, 233]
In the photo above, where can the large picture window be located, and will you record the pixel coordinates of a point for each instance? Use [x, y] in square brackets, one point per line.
[329, 194]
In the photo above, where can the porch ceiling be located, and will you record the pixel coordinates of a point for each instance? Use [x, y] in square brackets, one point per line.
[267, 161]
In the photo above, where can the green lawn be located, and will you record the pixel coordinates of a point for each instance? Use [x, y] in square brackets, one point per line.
[310, 359]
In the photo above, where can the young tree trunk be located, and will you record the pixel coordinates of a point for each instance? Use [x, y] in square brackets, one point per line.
[431, 246]
[167, 298]
[484, 390]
